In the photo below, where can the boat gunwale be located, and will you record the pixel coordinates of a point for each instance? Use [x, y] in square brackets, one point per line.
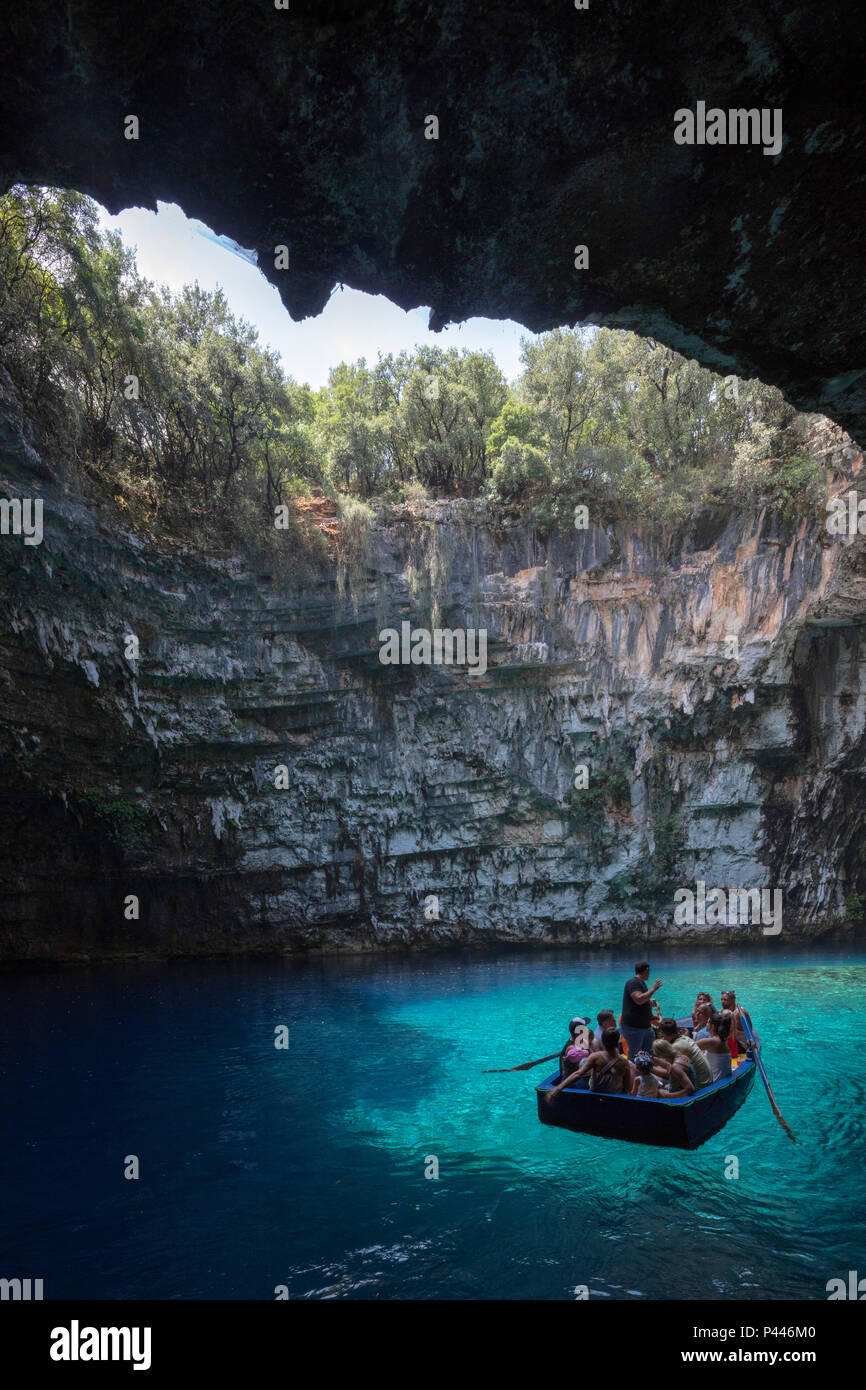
[680, 1103]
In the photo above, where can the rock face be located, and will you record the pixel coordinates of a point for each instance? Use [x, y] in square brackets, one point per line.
[425, 804]
[307, 127]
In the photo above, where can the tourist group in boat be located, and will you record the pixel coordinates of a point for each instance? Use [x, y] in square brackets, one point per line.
[646, 1055]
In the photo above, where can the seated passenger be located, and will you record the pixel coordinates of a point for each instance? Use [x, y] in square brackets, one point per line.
[681, 1076]
[606, 1019]
[608, 1072]
[646, 1083]
[703, 1000]
[688, 1047]
[700, 1018]
[733, 1047]
[729, 1001]
[715, 1047]
[577, 1048]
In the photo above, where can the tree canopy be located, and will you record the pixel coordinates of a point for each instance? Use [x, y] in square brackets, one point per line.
[170, 402]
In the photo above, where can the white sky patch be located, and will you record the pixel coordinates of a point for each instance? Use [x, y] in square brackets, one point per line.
[175, 250]
[225, 242]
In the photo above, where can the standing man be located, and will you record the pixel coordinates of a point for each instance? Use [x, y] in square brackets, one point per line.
[637, 1011]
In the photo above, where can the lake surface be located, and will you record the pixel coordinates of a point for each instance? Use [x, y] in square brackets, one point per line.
[306, 1167]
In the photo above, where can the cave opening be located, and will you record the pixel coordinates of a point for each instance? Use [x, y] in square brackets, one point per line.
[547, 426]
[601, 512]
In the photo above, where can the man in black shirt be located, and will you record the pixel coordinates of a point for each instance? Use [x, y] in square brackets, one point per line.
[636, 1024]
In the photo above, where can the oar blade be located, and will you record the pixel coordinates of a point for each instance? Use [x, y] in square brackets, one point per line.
[523, 1066]
[787, 1128]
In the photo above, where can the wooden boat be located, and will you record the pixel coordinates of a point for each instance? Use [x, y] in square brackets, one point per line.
[674, 1124]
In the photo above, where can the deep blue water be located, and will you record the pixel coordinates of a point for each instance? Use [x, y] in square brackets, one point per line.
[306, 1167]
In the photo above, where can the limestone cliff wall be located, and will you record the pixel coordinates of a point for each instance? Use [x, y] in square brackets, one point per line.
[156, 777]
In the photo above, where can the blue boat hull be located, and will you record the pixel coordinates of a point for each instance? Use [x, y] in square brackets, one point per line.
[674, 1124]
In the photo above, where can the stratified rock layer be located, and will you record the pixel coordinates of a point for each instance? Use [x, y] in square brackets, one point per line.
[425, 804]
[306, 127]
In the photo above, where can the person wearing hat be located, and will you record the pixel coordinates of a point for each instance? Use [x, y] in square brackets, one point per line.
[610, 1072]
[576, 1050]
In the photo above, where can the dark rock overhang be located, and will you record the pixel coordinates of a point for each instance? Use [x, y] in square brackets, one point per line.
[306, 127]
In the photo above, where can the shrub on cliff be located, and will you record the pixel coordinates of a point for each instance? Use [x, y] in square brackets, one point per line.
[352, 545]
[127, 823]
[792, 483]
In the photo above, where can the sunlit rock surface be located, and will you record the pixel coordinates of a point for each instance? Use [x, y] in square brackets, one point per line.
[306, 127]
[425, 804]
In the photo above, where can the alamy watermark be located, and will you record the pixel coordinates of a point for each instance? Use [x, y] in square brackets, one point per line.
[846, 516]
[22, 516]
[77, 1343]
[854, 1289]
[446, 646]
[732, 907]
[23, 1290]
[738, 126]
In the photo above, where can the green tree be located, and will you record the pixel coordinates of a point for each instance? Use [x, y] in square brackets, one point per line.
[171, 403]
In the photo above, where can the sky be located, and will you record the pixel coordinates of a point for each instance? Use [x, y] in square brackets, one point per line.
[174, 250]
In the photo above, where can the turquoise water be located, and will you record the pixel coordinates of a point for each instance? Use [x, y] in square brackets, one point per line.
[306, 1167]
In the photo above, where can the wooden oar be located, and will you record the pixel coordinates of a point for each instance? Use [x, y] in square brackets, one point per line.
[524, 1066]
[757, 1056]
